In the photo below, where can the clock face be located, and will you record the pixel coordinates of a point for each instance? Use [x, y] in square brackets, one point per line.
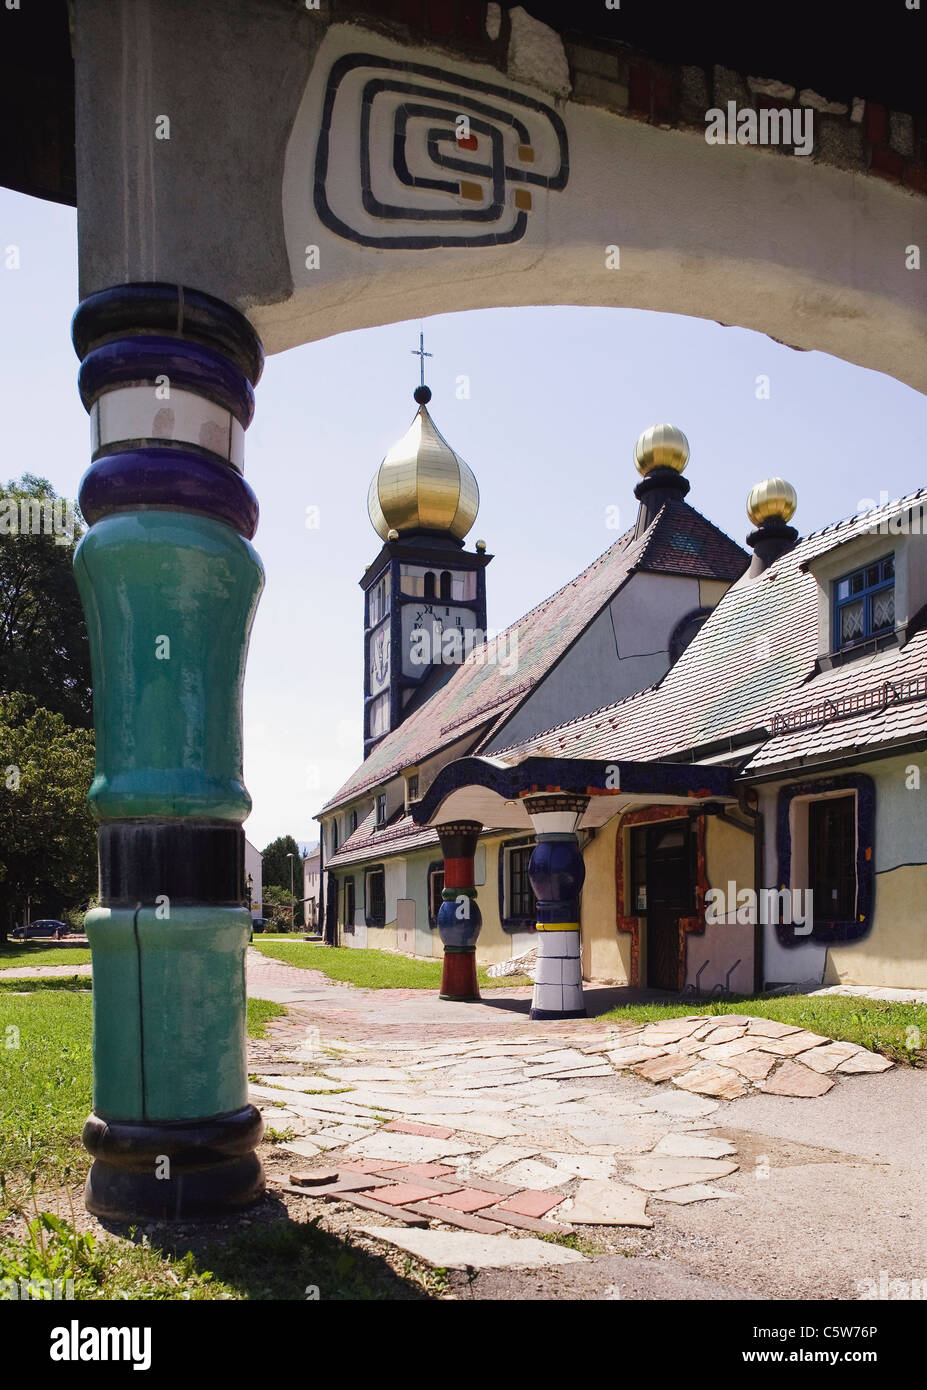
[379, 658]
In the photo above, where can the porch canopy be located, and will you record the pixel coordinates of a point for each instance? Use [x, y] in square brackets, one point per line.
[493, 792]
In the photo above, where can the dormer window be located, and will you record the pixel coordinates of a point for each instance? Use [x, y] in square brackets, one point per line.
[381, 809]
[335, 836]
[413, 788]
[864, 603]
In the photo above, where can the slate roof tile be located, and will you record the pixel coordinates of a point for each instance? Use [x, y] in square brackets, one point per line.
[754, 657]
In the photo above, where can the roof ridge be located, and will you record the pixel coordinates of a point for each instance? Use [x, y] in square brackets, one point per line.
[832, 526]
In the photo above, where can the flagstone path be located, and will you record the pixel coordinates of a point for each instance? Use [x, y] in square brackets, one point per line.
[508, 1130]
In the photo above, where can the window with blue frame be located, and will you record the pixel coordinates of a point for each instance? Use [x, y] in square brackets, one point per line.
[864, 603]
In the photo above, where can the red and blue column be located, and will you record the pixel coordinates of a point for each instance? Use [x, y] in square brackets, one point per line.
[556, 871]
[170, 583]
[459, 920]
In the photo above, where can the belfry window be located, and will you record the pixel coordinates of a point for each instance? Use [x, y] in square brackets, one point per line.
[864, 603]
[445, 584]
[430, 584]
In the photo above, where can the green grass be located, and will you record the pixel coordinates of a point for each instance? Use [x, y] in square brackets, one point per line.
[260, 1012]
[15, 955]
[83, 984]
[45, 1096]
[46, 1083]
[898, 1031]
[369, 968]
[286, 1260]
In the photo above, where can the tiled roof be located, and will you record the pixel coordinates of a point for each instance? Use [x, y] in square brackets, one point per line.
[481, 691]
[367, 842]
[754, 657]
[684, 542]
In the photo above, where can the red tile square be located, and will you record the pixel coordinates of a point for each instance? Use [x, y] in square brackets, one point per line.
[470, 1199]
[423, 1131]
[366, 1165]
[530, 1202]
[402, 1192]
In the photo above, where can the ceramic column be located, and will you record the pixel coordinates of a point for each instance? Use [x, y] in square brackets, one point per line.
[459, 920]
[557, 871]
[169, 584]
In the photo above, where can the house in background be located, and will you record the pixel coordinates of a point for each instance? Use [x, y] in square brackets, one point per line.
[253, 880]
[312, 879]
[438, 687]
[757, 818]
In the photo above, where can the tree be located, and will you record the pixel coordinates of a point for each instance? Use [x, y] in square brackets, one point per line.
[44, 651]
[276, 906]
[47, 832]
[275, 870]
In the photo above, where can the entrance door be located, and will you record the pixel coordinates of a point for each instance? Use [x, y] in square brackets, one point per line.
[664, 868]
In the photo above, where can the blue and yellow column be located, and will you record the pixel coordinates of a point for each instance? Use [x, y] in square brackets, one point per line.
[169, 583]
[556, 871]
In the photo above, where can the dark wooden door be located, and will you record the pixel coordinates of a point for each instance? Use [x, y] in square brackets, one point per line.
[670, 893]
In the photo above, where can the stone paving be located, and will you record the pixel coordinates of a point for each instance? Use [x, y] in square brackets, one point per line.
[506, 1138]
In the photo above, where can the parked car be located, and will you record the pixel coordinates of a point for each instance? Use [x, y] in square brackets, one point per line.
[48, 927]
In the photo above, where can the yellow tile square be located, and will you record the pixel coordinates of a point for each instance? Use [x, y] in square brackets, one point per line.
[522, 198]
[526, 154]
[473, 191]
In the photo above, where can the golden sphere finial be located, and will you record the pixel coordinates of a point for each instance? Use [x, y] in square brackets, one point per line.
[392, 534]
[772, 500]
[662, 446]
[481, 547]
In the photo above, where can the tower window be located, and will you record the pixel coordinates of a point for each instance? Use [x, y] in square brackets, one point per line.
[445, 584]
[430, 584]
[377, 603]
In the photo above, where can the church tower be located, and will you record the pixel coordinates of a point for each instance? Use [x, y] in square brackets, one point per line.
[424, 594]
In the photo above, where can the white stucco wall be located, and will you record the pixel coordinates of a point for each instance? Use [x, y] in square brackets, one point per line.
[622, 651]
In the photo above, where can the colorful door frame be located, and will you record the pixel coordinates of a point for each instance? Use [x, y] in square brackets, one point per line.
[692, 923]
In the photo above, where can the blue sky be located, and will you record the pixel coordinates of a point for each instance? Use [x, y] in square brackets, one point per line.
[557, 400]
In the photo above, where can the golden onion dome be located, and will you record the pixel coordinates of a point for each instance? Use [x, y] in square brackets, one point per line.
[422, 483]
[772, 500]
[662, 446]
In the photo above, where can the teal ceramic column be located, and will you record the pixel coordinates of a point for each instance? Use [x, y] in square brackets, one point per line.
[169, 583]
